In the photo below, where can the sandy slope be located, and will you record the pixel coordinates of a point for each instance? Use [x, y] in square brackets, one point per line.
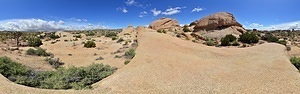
[164, 64]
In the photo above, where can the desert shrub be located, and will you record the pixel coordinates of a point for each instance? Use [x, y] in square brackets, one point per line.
[130, 54]
[90, 44]
[54, 62]
[64, 78]
[270, 38]
[249, 38]
[296, 62]
[77, 36]
[226, 41]
[9, 68]
[126, 62]
[283, 42]
[210, 43]
[114, 38]
[34, 42]
[186, 28]
[90, 34]
[53, 36]
[38, 52]
[162, 31]
[110, 34]
[235, 43]
[120, 40]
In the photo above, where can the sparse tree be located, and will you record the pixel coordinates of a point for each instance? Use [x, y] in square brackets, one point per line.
[16, 36]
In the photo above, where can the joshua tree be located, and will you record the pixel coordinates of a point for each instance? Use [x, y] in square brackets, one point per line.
[16, 36]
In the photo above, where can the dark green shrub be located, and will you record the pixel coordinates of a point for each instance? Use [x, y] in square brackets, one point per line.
[114, 38]
[235, 43]
[53, 36]
[130, 54]
[77, 36]
[270, 38]
[296, 62]
[120, 40]
[186, 28]
[126, 62]
[54, 62]
[38, 52]
[90, 34]
[227, 40]
[90, 44]
[162, 31]
[34, 42]
[110, 33]
[70, 78]
[283, 42]
[249, 38]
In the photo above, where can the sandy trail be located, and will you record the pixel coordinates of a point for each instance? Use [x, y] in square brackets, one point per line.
[164, 64]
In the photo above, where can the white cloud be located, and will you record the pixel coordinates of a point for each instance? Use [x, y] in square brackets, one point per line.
[155, 12]
[172, 11]
[283, 26]
[123, 9]
[198, 9]
[134, 3]
[142, 14]
[43, 25]
[130, 2]
[255, 25]
[78, 20]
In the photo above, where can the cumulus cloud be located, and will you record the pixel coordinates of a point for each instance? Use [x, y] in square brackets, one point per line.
[172, 11]
[134, 3]
[283, 26]
[43, 25]
[123, 9]
[142, 14]
[78, 20]
[197, 9]
[256, 25]
[155, 12]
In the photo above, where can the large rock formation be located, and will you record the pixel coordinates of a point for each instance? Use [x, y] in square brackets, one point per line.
[217, 26]
[164, 23]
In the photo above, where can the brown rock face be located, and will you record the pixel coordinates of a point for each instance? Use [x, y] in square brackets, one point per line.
[164, 23]
[216, 21]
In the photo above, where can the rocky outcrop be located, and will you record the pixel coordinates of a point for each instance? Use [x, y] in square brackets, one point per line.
[164, 23]
[216, 21]
[217, 26]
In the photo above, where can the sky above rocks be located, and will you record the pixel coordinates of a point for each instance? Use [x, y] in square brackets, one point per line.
[26, 15]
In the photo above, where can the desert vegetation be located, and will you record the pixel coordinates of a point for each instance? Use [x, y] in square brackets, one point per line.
[296, 62]
[64, 78]
[90, 44]
[38, 52]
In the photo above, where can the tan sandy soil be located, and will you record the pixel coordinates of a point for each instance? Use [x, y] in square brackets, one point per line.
[82, 56]
[164, 64]
[35, 62]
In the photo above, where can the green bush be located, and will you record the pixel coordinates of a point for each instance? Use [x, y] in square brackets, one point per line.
[283, 42]
[227, 40]
[77, 36]
[235, 43]
[38, 52]
[54, 62]
[114, 38]
[110, 34]
[186, 28]
[120, 40]
[162, 31]
[90, 34]
[249, 38]
[126, 62]
[53, 36]
[210, 43]
[34, 42]
[130, 54]
[70, 78]
[90, 44]
[296, 62]
[270, 38]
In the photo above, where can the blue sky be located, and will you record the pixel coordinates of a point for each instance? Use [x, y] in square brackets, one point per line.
[95, 14]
